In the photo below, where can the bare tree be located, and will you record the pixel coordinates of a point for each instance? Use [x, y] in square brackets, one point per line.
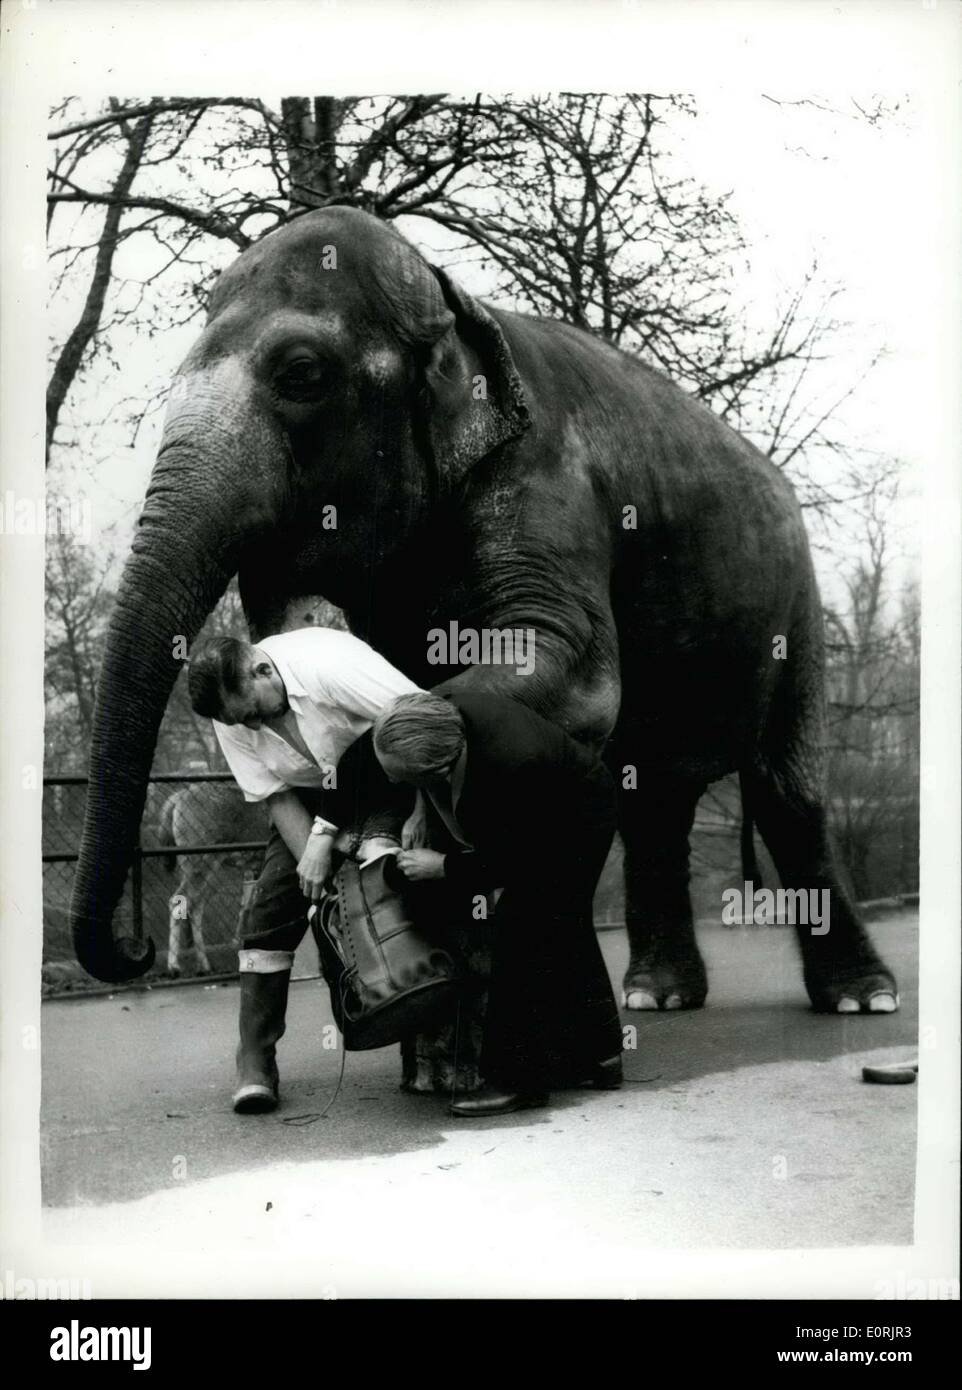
[593, 222]
[576, 202]
[389, 155]
[77, 605]
[71, 354]
[213, 175]
[873, 708]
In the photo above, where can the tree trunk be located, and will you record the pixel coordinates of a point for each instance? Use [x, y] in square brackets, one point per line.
[72, 352]
[310, 133]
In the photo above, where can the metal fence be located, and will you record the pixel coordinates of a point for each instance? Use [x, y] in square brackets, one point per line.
[199, 851]
[201, 845]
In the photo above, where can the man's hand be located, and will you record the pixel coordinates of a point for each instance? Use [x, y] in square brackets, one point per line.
[419, 864]
[414, 833]
[314, 868]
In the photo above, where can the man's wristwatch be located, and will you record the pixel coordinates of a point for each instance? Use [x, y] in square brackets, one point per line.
[323, 827]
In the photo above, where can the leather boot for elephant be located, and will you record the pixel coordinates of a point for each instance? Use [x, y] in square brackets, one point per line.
[263, 1009]
[387, 978]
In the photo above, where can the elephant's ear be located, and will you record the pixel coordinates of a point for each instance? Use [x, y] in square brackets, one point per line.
[477, 401]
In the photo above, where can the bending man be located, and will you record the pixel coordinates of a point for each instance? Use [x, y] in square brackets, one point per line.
[530, 811]
[286, 712]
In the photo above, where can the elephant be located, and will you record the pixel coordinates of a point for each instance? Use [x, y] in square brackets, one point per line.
[352, 423]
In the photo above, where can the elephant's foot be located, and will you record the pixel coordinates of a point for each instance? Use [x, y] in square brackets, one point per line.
[445, 1061]
[654, 982]
[858, 991]
[437, 1076]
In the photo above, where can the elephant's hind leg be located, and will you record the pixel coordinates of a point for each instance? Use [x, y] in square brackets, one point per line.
[843, 971]
[665, 970]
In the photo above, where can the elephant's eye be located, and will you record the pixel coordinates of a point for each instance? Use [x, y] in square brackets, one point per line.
[300, 380]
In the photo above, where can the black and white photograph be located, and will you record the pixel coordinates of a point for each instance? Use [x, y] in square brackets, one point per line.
[480, 658]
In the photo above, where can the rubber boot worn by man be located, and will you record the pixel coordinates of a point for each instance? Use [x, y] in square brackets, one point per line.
[264, 980]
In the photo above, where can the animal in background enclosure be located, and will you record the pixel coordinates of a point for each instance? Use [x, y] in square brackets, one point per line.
[204, 813]
[352, 423]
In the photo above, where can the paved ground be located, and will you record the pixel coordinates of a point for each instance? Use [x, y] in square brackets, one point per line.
[745, 1125]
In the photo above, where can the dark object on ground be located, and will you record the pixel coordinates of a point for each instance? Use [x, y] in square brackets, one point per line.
[899, 1074]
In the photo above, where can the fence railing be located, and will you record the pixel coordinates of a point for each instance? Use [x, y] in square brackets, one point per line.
[199, 848]
[201, 845]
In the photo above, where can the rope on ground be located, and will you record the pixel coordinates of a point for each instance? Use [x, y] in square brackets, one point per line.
[312, 1117]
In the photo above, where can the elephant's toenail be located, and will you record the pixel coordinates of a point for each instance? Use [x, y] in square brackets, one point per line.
[639, 999]
[673, 1001]
[882, 1004]
[848, 1006]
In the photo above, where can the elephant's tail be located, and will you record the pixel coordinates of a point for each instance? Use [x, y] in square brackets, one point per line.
[750, 870]
[166, 831]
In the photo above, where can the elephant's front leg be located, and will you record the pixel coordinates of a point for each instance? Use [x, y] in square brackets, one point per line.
[446, 1059]
[665, 970]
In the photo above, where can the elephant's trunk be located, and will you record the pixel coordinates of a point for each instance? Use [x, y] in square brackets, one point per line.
[182, 560]
[172, 580]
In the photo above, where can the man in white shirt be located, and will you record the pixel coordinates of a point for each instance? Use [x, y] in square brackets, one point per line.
[293, 716]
